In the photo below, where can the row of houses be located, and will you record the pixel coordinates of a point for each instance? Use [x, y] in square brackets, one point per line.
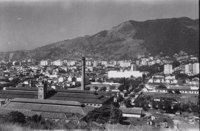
[174, 89]
[144, 61]
[93, 63]
[161, 79]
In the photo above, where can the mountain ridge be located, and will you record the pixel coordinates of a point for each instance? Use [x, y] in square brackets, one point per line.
[124, 41]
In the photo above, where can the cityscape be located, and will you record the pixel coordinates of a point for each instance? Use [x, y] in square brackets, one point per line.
[69, 86]
[160, 92]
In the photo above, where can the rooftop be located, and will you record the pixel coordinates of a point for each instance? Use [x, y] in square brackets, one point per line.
[48, 108]
[134, 110]
[69, 95]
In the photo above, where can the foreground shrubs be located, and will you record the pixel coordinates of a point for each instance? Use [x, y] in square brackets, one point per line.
[15, 117]
[33, 122]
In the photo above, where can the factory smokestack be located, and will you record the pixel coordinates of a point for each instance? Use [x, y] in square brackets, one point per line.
[83, 74]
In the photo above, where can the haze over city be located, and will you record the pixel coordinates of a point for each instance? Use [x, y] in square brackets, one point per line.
[27, 25]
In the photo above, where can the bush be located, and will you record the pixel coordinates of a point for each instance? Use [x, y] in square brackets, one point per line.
[38, 122]
[16, 117]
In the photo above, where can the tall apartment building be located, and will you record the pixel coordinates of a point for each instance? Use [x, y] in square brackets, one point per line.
[195, 68]
[168, 69]
[192, 68]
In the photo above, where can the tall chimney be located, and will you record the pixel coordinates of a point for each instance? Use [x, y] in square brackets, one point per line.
[83, 74]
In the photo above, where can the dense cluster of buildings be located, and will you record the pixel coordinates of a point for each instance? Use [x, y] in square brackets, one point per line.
[57, 89]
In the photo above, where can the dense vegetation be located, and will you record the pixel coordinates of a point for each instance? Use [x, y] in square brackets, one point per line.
[94, 119]
[105, 114]
[33, 122]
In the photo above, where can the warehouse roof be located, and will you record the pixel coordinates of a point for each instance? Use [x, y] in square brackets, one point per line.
[46, 101]
[69, 95]
[45, 107]
[134, 110]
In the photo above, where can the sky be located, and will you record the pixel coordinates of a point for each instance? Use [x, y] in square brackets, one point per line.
[28, 24]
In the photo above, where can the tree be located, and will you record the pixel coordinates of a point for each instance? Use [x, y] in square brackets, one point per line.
[177, 91]
[182, 77]
[38, 122]
[167, 106]
[96, 88]
[104, 114]
[175, 64]
[169, 91]
[103, 88]
[162, 86]
[36, 119]
[87, 88]
[16, 117]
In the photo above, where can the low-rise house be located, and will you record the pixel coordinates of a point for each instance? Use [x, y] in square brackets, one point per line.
[44, 62]
[57, 63]
[105, 63]
[143, 61]
[177, 89]
[151, 62]
[124, 63]
[71, 63]
[124, 74]
[160, 79]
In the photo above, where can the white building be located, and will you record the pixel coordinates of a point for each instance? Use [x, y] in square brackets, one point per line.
[144, 61]
[192, 68]
[188, 69]
[131, 112]
[57, 63]
[133, 67]
[124, 63]
[95, 63]
[195, 68]
[137, 62]
[112, 63]
[71, 63]
[152, 62]
[163, 79]
[168, 69]
[43, 62]
[158, 61]
[88, 63]
[89, 68]
[126, 74]
[105, 63]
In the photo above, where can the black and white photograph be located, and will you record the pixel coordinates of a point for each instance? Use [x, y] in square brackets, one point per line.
[99, 65]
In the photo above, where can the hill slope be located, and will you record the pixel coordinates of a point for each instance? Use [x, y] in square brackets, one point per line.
[124, 41]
